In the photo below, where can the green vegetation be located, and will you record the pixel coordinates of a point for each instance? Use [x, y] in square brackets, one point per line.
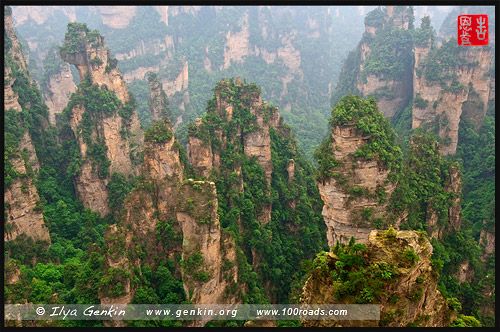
[476, 155]
[365, 118]
[276, 245]
[420, 102]
[159, 132]
[391, 56]
[438, 66]
[410, 256]
[119, 188]
[466, 321]
[352, 277]
[375, 18]
[423, 184]
[73, 41]
[98, 103]
[425, 35]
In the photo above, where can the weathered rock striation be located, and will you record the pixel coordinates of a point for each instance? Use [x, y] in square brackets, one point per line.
[253, 137]
[58, 85]
[116, 127]
[391, 91]
[157, 99]
[23, 213]
[165, 200]
[355, 188]
[445, 93]
[410, 289]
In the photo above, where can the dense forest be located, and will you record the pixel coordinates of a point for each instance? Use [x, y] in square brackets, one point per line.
[154, 154]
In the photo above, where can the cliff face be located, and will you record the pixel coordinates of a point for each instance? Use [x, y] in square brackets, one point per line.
[454, 222]
[444, 93]
[409, 285]
[179, 83]
[166, 215]
[116, 128]
[205, 245]
[253, 138]
[157, 99]
[487, 241]
[21, 200]
[355, 188]
[392, 90]
[58, 84]
[117, 17]
[342, 210]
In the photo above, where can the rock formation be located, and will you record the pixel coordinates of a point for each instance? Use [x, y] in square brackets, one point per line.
[454, 222]
[58, 84]
[409, 285]
[23, 213]
[117, 17]
[253, 137]
[116, 127]
[189, 208]
[392, 91]
[157, 99]
[354, 191]
[487, 241]
[444, 93]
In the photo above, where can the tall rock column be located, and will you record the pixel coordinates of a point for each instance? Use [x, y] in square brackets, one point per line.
[450, 82]
[157, 99]
[391, 85]
[240, 107]
[102, 116]
[23, 213]
[167, 216]
[355, 167]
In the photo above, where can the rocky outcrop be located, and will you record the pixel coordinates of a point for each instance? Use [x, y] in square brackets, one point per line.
[157, 99]
[138, 73]
[464, 273]
[391, 93]
[22, 206]
[189, 208]
[117, 17]
[462, 90]
[411, 295]
[120, 133]
[258, 142]
[10, 97]
[254, 138]
[180, 83]
[87, 51]
[13, 48]
[454, 221]
[203, 237]
[343, 209]
[60, 87]
[200, 153]
[487, 241]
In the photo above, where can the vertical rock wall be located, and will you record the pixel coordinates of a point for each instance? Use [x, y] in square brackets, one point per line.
[21, 200]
